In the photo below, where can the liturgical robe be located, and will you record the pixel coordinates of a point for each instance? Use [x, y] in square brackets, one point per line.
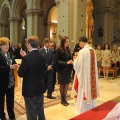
[86, 80]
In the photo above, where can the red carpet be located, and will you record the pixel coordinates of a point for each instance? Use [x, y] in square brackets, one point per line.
[97, 113]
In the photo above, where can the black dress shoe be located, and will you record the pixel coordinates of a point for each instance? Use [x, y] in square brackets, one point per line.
[50, 97]
[67, 103]
[64, 103]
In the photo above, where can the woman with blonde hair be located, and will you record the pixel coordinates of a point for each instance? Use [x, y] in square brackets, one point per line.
[7, 65]
[115, 55]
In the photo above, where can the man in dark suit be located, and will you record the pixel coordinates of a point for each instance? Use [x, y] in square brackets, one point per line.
[32, 70]
[12, 48]
[49, 58]
[76, 49]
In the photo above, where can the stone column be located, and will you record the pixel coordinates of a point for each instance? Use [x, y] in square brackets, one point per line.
[33, 16]
[62, 26]
[87, 28]
[4, 29]
[15, 29]
[104, 17]
[71, 19]
[0, 29]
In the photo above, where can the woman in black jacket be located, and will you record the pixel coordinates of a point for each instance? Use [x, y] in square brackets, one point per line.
[7, 65]
[64, 68]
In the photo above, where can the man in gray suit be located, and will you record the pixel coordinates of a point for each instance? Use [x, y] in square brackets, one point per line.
[49, 61]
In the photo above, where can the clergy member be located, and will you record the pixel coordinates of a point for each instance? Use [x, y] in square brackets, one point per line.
[86, 78]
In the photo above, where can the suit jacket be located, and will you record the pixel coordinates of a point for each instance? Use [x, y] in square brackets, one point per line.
[4, 71]
[11, 50]
[32, 70]
[49, 57]
[17, 53]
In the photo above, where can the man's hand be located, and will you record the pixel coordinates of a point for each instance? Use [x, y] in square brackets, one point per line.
[49, 67]
[22, 53]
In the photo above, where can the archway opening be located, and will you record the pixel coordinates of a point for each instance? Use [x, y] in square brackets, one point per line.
[52, 22]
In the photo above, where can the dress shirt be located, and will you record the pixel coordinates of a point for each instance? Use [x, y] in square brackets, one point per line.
[46, 49]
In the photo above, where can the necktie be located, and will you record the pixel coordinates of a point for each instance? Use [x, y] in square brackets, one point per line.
[46, 50]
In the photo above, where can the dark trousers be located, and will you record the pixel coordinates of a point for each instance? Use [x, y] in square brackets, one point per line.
[34, 107]
[49, 81]
[54, 79]
[9, 102]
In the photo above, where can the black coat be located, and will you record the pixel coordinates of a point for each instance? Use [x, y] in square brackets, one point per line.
[63, 69]
[77, 48]
[4, 70]
[32, 70]
[61, 60]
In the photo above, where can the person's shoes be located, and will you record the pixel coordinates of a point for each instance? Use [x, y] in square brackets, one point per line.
[67, 102]
[50, 97]
[64, 103]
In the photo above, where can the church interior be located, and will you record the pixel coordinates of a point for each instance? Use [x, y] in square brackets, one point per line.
[98, 20]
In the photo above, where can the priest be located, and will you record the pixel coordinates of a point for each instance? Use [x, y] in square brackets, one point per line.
[86, 78]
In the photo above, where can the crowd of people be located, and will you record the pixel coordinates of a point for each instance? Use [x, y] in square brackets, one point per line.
[39, 67]
[105, 58]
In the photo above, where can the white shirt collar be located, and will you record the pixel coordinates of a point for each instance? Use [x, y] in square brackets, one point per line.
[33, 49]
[46, 48]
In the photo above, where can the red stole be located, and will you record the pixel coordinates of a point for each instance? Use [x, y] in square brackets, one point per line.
[93, 75]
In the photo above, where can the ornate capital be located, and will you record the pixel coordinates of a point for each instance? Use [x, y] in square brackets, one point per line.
[57, 2]
[34, 11]
[19, 19]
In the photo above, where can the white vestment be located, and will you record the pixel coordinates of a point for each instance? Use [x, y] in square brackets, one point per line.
[82, 67]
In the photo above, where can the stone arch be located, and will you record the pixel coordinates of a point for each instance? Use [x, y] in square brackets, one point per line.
[37, 4]
[4, 19]
[17, 6]
[33, 4]
[41, 4]
[52, 23]
[51, 7]
[5, 5]
[18, 13]
[47, 7]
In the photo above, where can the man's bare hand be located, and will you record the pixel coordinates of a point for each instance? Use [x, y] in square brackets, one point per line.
[22, 53]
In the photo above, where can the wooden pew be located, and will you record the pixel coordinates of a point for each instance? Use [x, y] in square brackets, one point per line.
[112, 70]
